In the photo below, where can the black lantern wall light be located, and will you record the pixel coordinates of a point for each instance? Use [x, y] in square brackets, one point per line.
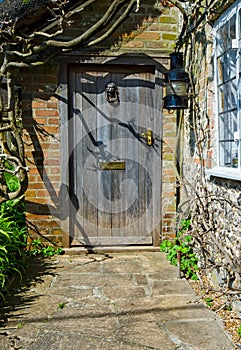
[177, 83]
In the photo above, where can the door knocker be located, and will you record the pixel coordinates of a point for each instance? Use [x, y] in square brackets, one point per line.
[111, 92]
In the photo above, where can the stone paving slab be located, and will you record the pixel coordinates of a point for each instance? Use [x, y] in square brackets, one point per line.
[118, 301]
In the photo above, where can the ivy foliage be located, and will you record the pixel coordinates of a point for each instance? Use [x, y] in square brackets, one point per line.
[183, 244]
[37, 247]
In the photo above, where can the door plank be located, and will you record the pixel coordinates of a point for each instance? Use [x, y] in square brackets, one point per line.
[118, 151]
[88, 141]
[104, 150]
[147, 119]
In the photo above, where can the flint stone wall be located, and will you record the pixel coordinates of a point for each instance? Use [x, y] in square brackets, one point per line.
[215, 206]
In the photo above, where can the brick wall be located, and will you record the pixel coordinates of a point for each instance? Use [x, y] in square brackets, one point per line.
[152, 30]
[169, 190]
[41, 136]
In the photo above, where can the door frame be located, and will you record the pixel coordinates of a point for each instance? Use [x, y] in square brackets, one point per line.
[63, 92]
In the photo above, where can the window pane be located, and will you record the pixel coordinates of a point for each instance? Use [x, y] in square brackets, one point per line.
[227, 66]
[222, 39]
[232, 29]
[221, 106]
[239, 90]
[228, 152]
[239, 62]
[228, 124]
[232, 54]
[227, 96]
[222, 69]
[231, 95]
[229, 92]
[239, 13]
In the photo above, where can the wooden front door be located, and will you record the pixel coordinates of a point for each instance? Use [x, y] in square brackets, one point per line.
[114, 169]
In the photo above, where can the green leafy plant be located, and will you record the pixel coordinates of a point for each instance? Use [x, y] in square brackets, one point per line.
[62, 305]
[209, 301]
[37, 247]
[182, 243]
[11, 180]
[13, 240]
[239, 331]
[13, 237]
[20, 325]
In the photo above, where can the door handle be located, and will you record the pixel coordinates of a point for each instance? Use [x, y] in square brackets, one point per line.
[147, 137]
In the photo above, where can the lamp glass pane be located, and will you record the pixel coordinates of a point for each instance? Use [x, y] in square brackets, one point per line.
[178, 88]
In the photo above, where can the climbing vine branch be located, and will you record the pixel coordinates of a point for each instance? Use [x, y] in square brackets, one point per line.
[34, 45]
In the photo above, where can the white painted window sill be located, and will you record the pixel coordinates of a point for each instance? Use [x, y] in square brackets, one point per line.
[225, 173]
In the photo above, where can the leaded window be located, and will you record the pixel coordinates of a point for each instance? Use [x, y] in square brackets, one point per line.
[227, 51]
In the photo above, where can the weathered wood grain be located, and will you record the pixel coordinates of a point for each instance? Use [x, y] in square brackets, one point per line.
[114, 207]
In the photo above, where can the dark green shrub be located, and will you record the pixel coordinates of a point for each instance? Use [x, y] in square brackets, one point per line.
[13, 233]
[13, 237]
[13, 240]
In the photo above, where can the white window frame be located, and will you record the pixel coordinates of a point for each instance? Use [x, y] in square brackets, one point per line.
[233, 169]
